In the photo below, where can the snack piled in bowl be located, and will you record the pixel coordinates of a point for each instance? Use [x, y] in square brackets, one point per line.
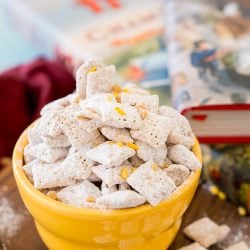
[109, 147]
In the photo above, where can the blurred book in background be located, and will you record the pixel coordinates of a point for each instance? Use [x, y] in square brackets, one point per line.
[209, 64]
[126, 33]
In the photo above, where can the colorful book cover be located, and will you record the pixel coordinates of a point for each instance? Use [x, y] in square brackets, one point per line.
[126, 33]
[209, 65]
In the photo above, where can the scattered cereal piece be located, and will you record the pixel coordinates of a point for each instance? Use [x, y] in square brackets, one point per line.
[155, 186]
[117, 134]
[110, 154]
[179, 154]
[206, 232]
[193, 246]
[154, 131]
[77, 194]
[155, 154]
[178, 173]
[121, 199]
[149, 102]
[242, 211]
[238, 246]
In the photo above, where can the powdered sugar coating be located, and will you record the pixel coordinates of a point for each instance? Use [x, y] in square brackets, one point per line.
[116, 134]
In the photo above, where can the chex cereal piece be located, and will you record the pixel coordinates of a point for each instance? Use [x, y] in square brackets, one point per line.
[51, 175]
[178, 173]
[76, 129]
[112, 176]
[91, 107]
[57, 104]
[177, 138]
[134, 89]
[154, 131]
[47, 154]
[116, 134]
[106, 189]
[97, 141]
[155, 154]
[206, 232]
[151, 182]
[123, 186]
[28, 157]
[238, 246]
[121, 116]
[81, 75]
[193, 246]
[58, 141]
[182, 132]
[110, 154]
[48, 125]
[101, 80]
[121, 199]
[28, 169]
[149, 102]
[77, 162]
[93, 178]
[79, 194]
[34, 136]
[181, 155]
[136, 161]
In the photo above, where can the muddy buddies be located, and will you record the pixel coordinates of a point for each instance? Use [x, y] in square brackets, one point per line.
[107, 146]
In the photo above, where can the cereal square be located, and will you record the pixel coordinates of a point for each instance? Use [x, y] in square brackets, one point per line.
[110, 154]
[238, 246]
[151, 182]
[206, 232]
[154, 131]
[193, 246]
[116, 134]
[121, 199]
[79, 194]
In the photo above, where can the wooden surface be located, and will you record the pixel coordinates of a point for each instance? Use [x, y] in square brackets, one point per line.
[203, 204]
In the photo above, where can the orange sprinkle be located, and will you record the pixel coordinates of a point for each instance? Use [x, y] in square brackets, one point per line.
[116, 88]
[120, 111]
[124, 173]
[132, 145]
[120, 144]
[52, 195]
[92, 69]
[91, 199]
[155, 167]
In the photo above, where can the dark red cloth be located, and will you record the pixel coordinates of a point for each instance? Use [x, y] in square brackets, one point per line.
[24, 90]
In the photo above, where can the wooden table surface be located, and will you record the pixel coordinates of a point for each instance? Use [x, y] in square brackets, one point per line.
[203, 204]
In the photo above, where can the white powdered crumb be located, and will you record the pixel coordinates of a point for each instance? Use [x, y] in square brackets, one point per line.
[10, 220]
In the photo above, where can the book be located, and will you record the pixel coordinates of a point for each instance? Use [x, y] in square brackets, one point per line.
[128, 34]
[209, 65]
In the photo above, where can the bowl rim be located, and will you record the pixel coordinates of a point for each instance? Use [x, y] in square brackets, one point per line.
[59, 207]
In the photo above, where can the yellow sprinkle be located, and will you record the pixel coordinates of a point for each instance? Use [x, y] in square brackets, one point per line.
[120, 111]
[214, 190]
[117, 97]
[92, 69]
[132, 145]
[222, 195]
[120, 144]
[133, 169]
[155, 167]
[116, 88]
[52, 195]
[242, 211]
[110, 98]
[124, 173]
[165, 165]
[90, 199]
[125, 90]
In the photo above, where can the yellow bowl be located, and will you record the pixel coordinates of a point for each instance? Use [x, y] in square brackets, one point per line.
[64, 227]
